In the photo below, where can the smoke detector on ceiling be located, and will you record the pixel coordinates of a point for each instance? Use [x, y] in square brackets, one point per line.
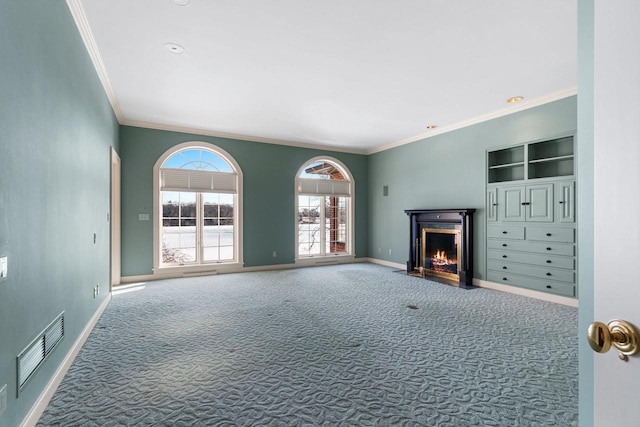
[181, 2]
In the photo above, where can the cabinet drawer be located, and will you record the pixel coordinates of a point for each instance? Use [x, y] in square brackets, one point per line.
[549, 286]
[529, 258]
[548, 234]
[531, 270]
[539, 247]
[516, 233]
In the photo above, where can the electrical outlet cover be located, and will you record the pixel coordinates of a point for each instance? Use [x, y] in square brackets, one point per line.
[3, 399]
[3, 268]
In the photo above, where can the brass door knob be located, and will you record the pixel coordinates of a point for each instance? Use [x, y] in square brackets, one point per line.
[619, 333]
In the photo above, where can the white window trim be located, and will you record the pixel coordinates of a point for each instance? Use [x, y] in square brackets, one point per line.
[236, 265]
[333, 258]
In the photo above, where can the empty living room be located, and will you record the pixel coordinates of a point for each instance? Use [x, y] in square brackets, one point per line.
[283, 213]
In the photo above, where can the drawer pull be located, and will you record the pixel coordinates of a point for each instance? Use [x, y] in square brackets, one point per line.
[548, 274]
[504, 232]
[495, 204]
[504, 256]
[504, 278]
[561, 202]
[504, 245]
[504, 267]
[525, 203]
[548, 249]
[548, 261]
[548, 286]
[548, 234]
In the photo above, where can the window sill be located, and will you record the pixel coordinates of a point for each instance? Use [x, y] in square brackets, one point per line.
[325, 260]
[196, 270]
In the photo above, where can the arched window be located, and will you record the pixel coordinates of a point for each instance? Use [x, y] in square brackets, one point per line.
[197, 201]
[324, 209]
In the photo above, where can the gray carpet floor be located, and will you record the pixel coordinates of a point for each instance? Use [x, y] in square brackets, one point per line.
[336, 345]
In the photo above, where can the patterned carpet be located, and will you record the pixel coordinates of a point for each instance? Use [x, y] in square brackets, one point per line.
[334, 345]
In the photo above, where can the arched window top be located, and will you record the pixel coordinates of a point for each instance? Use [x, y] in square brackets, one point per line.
[323, 169]
[324, 205]
[200, 159]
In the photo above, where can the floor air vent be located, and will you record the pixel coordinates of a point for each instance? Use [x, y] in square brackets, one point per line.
[32, 357]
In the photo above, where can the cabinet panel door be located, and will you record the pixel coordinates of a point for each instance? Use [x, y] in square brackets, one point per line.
[565, 201]
[511, 206]
[540, 199]
[492, 204]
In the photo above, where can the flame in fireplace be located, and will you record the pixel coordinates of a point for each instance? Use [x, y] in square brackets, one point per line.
[441, 255]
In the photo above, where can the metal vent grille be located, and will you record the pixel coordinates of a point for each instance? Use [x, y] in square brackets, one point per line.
[32, 357]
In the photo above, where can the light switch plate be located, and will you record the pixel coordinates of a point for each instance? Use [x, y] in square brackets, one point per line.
[3, 268]
[143, 217]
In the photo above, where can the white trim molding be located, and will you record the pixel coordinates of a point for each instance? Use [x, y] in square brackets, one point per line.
[572, 302]
[483, 118]
[80, 17]
[386, 263]
[250, 138]
[319, 262]
[47, 393]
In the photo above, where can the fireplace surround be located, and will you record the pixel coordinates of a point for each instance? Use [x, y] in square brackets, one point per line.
[441, 245]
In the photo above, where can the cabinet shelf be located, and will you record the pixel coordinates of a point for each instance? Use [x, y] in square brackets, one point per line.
[561, 147]
[544, 159]
[507, 165]
[551, 159]
[513, 172]
[507, 156]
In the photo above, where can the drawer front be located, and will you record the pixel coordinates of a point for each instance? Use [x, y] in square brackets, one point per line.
[549, 286]
[547, 234]
[537, 259]
[539, 247]
[516, 233]
[530, 270]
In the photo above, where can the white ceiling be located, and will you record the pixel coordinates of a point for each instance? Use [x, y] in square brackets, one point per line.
[356, 75]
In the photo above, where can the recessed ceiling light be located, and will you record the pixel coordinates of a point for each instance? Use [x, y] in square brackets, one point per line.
[432, 126]
[181, 2]
[174, 48]
[515, 99]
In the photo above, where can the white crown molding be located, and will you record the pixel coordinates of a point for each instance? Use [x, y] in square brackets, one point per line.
[80, 17]
[251, 138]
[485, 117]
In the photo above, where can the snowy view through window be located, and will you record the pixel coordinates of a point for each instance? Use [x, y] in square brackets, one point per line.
[197, 226]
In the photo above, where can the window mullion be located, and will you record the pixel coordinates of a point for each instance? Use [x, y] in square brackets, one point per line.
[323, 226]
[199, 228]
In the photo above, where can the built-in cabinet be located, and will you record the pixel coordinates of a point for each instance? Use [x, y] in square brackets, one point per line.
[531, 213]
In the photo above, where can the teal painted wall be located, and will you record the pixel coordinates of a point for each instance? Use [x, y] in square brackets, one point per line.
[56, 127]
[448, 171]
[268, 195]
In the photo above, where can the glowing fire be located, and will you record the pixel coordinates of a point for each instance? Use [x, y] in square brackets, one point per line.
[440, 255]
[439, 259]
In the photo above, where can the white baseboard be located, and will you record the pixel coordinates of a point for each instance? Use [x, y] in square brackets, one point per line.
[476, 282]
[496, 286]
[526, 292]
[386, 263]
[43, 400]
[178, 274]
